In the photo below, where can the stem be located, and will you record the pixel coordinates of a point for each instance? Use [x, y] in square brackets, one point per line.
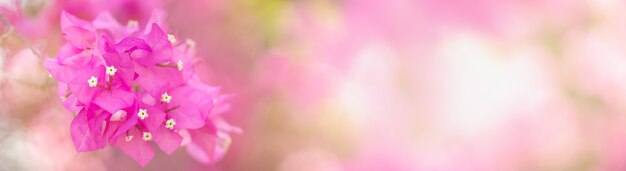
[109, 82]
[171, 109]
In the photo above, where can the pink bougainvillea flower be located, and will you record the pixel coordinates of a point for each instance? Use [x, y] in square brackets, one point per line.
[209, 143]
[168, 140]
[79, 33]
[129, 86]
[135, 144]
[107, 23]
[86, 136]
[160, 45]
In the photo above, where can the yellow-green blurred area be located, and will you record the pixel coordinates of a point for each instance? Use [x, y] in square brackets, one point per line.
[332, 85]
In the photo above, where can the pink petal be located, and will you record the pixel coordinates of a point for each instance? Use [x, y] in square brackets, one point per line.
[117, 60]
[125, 76]
[157, 17]
[174, 79]
[167, 140]
[131, 121]
[206, 148]
[65, 73]
[80, 86]
[114, 100]
[217, 101]
[187, 115]
[111, 128]
[193, 103]
[138, 149]
[150, 81]
[67, 51]
[155, 118]
[84, 93]
[84, 139]
[122, 62]
[222, 125]
[185, 54]
[78, 60]
[186, 136]
[128, 45]
[95, 119]
[148, 99]
[69, 102]
[188, 118]
[106, 21]
[220, 105]
[79, 37]
[161, 48]
[69, 20]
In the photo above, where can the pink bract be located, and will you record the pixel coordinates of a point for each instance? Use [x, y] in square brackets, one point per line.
[128, 87]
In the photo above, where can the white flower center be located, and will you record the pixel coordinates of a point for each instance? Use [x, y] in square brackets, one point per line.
[166, 98]
[143, 114]
[111, 70]
[93, 81]
[169, 124]
[147, 136]
[171, 38]
[179, 64]
[128, 138]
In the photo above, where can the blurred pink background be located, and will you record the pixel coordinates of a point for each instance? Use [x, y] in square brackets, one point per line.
[339, 85]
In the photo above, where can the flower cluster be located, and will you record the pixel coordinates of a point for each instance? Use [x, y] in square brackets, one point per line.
[129, 86]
